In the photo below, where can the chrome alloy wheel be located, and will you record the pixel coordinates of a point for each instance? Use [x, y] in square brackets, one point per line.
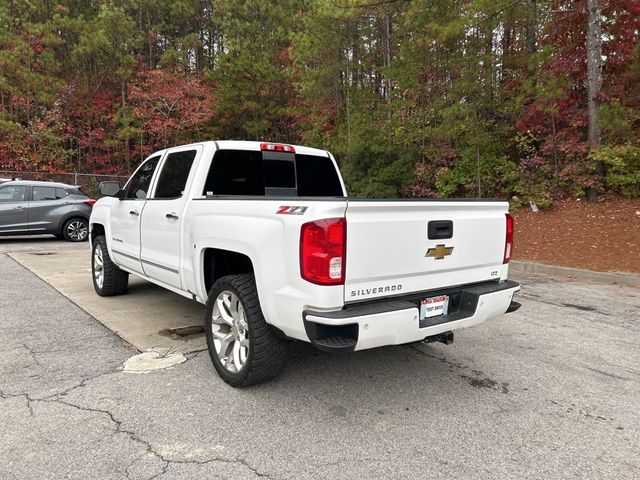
[98, 266]
[77, 230]
[230, 331]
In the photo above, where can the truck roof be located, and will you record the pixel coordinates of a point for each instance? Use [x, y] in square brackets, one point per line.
[255, 145]
[248, 145]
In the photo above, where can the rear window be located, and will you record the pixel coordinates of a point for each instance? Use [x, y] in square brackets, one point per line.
[245, 172]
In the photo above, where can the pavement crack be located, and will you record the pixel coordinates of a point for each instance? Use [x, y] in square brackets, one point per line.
[134, 436]
[33, 353]
[238, 461]
[612, 375]
[82, 383]
[148, 447]
[8, 396]
[131, 464]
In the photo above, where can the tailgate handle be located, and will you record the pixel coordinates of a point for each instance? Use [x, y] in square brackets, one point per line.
[440, 229]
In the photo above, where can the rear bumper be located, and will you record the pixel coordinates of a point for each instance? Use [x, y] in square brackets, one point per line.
[397, 321]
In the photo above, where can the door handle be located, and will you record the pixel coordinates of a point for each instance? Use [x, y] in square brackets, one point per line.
[134, 212]
[439, 229]
[19, 208]
[172, 216]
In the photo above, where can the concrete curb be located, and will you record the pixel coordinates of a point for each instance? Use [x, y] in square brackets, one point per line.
[601, 277]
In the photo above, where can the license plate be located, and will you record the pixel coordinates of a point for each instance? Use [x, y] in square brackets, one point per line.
[434, 306]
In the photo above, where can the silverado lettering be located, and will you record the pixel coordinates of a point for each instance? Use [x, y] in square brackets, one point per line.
[375, 290]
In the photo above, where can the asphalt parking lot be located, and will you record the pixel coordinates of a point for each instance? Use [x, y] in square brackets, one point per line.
[550, 391]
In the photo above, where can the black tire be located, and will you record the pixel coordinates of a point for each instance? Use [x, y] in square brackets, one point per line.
[114, 280]
[267, 352]
[76, 230]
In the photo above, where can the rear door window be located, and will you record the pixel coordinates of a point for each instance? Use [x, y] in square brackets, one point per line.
[44, 193]
[174, 174]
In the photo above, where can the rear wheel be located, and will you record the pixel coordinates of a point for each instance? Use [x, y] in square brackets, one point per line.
[75, 230]
[243, 349]
[108, 279]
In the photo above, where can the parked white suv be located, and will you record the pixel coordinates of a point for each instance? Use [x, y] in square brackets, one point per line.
[265, 235]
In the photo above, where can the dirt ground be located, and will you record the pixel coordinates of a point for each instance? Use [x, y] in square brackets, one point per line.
[603, 237]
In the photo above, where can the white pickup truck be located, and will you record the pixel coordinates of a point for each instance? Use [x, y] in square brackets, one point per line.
[265, 235]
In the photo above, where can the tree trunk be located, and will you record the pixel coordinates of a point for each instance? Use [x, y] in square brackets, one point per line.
[386, 55]
[594, 81]
[123, 92]
[531, 27]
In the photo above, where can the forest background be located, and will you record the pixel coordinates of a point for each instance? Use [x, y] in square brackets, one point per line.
[531, 100]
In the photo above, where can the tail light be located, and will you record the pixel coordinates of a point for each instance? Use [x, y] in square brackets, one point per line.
[323, 248]
[508, 241]
[90, 202]
[277, 147]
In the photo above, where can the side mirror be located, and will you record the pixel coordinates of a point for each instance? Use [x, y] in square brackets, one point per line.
[109, 189]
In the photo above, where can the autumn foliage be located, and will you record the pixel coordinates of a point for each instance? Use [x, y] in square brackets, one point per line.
[420, 98]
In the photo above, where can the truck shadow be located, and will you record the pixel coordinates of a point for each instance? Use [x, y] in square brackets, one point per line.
[395, 378]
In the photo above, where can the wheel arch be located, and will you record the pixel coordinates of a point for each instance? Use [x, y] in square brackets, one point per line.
[96, 229]
[218, 263]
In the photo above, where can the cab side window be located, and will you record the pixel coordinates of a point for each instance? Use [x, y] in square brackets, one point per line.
[137, 187]
[44, 193]
[174, 174]
[13, 193]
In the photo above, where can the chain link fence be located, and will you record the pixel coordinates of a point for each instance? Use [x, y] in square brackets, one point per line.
[87, 181]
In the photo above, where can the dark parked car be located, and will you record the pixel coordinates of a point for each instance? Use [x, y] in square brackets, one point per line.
[35, 208]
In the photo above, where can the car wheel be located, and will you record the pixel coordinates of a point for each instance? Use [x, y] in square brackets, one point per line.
[75, 230]
[243, 349]
[108, 279]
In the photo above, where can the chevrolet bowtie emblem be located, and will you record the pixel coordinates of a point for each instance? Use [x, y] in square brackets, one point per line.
[439, 252]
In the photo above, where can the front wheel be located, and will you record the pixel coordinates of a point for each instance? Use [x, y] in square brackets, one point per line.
[243, 349]
[108, 279]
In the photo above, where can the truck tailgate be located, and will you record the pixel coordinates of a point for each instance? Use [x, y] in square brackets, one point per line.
[388, 246]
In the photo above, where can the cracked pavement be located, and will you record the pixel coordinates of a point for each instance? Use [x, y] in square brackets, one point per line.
[551, 391]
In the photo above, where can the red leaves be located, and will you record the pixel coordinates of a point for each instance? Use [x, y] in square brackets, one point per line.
[558, 117]
[168, 104]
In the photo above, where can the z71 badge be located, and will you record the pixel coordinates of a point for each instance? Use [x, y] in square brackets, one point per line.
[288, 210]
